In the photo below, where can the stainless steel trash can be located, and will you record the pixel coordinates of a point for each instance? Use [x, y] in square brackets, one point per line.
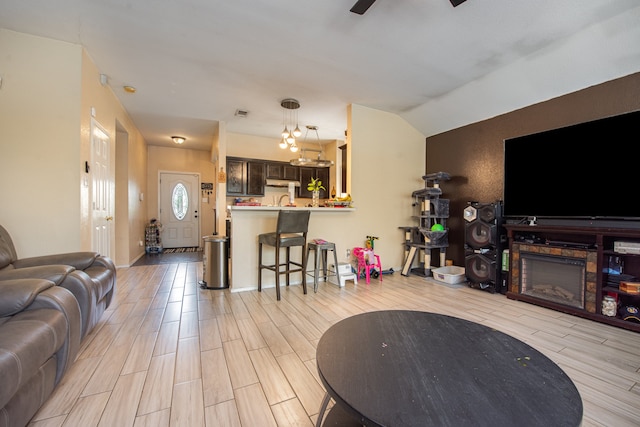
[215, 263]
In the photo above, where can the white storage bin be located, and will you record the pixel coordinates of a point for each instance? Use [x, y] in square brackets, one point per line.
[450, 274]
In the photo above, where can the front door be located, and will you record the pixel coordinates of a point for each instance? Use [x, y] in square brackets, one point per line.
[101, 191]
[179, 209]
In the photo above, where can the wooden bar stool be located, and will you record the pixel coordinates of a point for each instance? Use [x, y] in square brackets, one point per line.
[320, 248]
[291, 230]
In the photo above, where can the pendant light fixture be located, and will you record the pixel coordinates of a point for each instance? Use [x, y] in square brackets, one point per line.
[318, 162]
[290, 108]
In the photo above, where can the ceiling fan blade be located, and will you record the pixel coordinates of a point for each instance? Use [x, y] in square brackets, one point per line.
[361, 6]
[457, 2]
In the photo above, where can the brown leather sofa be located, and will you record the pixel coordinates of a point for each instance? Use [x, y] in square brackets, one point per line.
[90, 277]
[39, 340]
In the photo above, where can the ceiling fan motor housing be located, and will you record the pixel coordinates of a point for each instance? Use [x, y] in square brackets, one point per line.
[361, 6]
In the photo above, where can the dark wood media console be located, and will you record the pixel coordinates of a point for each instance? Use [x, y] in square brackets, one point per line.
[588, 250]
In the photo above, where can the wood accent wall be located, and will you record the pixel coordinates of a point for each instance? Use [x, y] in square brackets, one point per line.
[473, 154]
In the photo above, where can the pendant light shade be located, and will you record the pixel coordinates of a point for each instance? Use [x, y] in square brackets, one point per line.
[289, 107]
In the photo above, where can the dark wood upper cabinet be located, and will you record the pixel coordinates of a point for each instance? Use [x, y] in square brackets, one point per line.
[245, 177]
[275, 170]
[290, 172]
[236, 177]
[282, 170]
[255, 178]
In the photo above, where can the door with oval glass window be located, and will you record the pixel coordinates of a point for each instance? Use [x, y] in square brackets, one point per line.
[179, 209]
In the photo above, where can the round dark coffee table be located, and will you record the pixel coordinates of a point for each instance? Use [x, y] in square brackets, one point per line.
[412, 368]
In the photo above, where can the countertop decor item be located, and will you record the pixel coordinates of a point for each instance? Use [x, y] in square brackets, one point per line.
[315, 185]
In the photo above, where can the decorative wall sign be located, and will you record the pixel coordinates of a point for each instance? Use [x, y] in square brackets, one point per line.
[206, 187]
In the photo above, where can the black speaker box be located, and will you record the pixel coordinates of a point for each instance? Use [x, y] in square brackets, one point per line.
[481, 267]
[485, 239]
[480, 234]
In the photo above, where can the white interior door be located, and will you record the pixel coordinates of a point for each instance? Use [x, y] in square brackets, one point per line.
[101, 191]
[179, 209]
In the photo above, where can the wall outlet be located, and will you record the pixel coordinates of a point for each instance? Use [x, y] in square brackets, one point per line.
[348, 253]
[140, 243]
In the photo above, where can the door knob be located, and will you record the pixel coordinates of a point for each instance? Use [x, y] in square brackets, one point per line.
[109, 218]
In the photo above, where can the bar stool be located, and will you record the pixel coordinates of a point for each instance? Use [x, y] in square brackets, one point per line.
[291, 230]
[320, 248]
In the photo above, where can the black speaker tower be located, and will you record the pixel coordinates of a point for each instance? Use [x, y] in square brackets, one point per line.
[484, 241]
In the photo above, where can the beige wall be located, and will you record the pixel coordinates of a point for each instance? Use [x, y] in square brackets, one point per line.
[40, 143]
[128, 163]
[387, 165]
[167, 159]
[48, 91]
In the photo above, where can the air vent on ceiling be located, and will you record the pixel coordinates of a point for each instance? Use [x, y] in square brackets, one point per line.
[241, 113]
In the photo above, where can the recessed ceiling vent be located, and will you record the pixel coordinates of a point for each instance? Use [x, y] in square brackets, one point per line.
[242, 113]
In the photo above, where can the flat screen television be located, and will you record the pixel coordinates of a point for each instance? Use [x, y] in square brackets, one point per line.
[584, 173]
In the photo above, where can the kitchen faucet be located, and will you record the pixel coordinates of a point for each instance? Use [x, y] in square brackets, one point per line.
[281, 197]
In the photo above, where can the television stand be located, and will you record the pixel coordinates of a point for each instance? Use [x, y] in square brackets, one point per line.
[596, 247]
[569, 244]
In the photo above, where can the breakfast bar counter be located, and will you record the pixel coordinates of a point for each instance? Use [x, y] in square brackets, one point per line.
[247, 222]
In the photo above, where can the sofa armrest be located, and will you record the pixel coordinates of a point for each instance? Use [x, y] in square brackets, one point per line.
[105, 262]
[63, 300]
[78, 260]
[16, 295]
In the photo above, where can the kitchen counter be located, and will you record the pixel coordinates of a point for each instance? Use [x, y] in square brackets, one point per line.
[277, 208]
[247, 222]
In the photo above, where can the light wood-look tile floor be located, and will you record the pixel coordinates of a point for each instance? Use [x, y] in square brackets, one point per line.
[167, 353]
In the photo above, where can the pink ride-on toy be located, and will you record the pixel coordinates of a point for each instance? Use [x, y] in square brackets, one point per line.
[369, 262]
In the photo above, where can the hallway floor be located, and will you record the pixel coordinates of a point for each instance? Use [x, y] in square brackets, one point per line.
[168, 258]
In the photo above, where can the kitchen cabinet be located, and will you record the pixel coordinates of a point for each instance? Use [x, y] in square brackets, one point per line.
[255, 178]
[236, 177]
[245, 177]
[281, 170]
[290, 173]
[274, 170]
[306, 173]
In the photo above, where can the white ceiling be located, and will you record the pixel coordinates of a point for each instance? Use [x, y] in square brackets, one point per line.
[195, 62]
